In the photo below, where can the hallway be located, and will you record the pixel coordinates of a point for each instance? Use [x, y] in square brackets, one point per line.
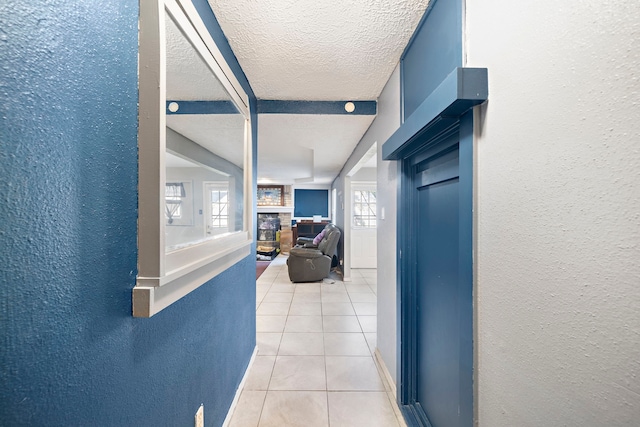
[315, 364]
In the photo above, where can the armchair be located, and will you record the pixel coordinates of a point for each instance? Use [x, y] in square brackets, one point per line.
[309, 264]
[308, 242]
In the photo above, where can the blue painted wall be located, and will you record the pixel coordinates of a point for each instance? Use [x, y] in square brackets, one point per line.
[433, 52]
[71, 354]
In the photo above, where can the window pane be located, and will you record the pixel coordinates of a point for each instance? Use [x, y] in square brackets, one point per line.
[364, 208]
[192, 205]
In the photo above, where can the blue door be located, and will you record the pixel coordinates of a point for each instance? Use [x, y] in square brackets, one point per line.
[437, 354]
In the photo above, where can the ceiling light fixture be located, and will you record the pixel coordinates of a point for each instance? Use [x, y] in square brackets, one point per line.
[349, 107]
[173, 107]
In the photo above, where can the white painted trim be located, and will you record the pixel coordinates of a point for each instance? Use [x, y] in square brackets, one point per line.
[236, 398]
[346, 237]
[185, 260]
[385, 371]
[149, 300]
[163, 278]
[390, 387]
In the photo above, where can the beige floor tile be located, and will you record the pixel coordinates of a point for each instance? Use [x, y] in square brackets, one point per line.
[308, 288]
[303, 324]
[283, 273]
[365, 308]
[337, 287]
[269, 272]
[259, 297]
[265, 281]
[362, 297]
[341, 324]
[295, 409]
[352, 373]
[356, 288]
[268, 343]
[305, 309]
[337, 309]
[270, 323]
[345, 344]
[355, 279]
[302, 344]
[298, 373]
[260, 373]
[263, 287]
[368, 272]
[267, 275]
[273, 309]
[361, 409]
[368, 323]
[335, 297]
[306, 297]
[248, 409]
[372, 340]
[374, 287]
[278, 297]
[282, 287]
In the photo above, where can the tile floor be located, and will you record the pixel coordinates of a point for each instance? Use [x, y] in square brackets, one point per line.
[315, 365]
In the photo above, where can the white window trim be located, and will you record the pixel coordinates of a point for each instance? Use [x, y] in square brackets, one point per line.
[165, 278]
[217, 186]
[361, 186]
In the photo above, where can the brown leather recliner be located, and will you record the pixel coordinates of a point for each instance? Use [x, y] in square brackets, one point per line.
[314, 264]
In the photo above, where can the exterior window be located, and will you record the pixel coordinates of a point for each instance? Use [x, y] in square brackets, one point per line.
[219, 209]
[364, 208]
[173, 194]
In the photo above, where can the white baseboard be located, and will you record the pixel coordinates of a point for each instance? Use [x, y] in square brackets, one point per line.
[236, 398]
[385, 371]
[390, 386]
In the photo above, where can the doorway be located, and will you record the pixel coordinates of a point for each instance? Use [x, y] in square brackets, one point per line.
[359, 215]
[363, 225]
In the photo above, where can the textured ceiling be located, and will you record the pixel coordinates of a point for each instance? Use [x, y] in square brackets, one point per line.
[318, 50]
[222, 134]
[315, 50]
[188, 77]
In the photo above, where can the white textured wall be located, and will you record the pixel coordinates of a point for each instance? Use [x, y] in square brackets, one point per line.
[558, 212]
[387, 122]
[365, 175]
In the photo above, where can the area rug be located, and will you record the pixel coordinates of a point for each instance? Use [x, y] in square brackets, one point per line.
[261, 266]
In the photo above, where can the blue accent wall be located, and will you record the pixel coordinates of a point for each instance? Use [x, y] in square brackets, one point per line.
[71, 353]
[433, 52]
[308, 203]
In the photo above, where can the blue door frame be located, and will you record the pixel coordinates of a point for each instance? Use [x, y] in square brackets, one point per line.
[457, 138]
[443, 117]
